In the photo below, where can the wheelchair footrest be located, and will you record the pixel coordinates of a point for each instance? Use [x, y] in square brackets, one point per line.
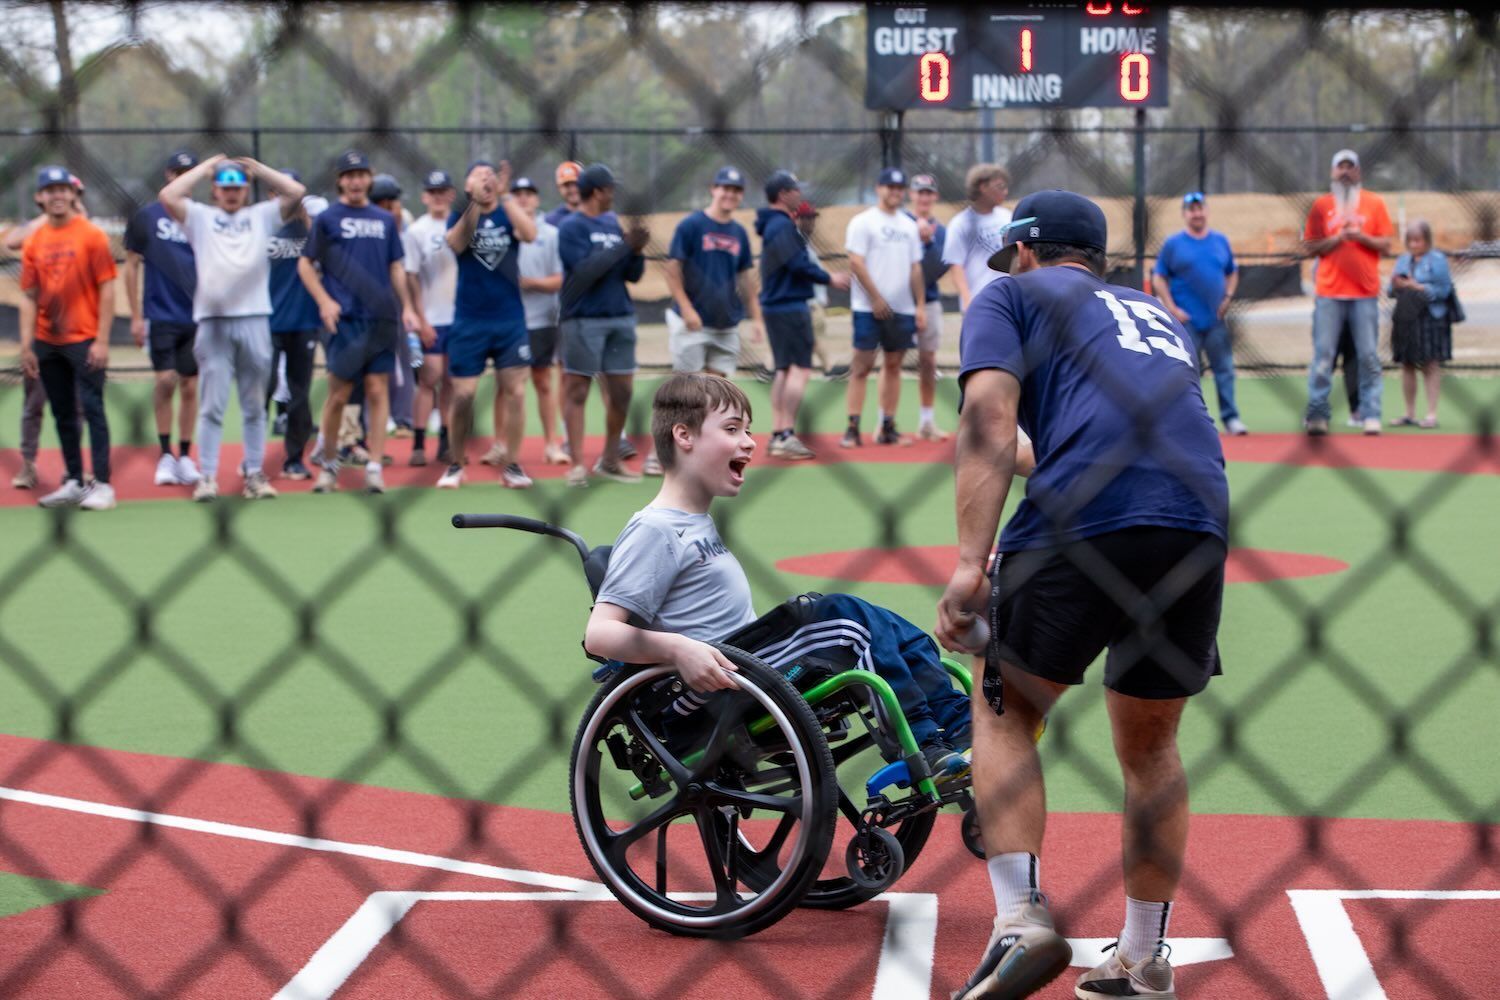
[903, 773]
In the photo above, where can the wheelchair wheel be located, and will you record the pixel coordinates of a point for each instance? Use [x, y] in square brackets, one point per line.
[706, 807]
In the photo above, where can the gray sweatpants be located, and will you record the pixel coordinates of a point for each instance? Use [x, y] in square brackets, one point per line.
[236, 348]
[33, 409]
[403, 383]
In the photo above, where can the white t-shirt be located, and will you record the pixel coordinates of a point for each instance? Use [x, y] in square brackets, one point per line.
[428, 256]
[890, 244]
[820, 292]
[232, 253]
[972, 240]
[540, 259]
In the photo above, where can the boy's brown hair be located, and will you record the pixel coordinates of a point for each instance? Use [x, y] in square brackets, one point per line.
[688, 399]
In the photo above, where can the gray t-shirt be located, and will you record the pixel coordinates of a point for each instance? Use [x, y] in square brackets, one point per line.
[671, 570]
[540, 259]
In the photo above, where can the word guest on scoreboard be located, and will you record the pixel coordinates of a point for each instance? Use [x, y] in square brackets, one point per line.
[1057, 55]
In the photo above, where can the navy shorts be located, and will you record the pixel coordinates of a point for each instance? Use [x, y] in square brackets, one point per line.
[470, 345]
[440, 345]
[171, 347]
[899, 333]
[791, 337]
[362, 346]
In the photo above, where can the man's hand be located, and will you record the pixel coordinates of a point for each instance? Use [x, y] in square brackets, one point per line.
[410, 320]
[1181, 314]
[329, 313]
[502, 178]
[757, 331]
[880, 307]
[703, 668]
[691, 319]
[839, 281]
[138, 330]
[921, 318]
[966, 596]
[926, 228]
[1222, 310]
[99, 354]
[28, 362]
[637, 236]
[427, 334]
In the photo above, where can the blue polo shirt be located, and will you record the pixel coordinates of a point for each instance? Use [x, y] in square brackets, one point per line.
[171, 275]
[1196, 269]
[355, 248]
[712, 255]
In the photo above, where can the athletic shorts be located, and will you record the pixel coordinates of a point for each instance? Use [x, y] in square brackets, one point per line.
[932, 337]
[899, 333]
[1051, 617]
[543, 342]
[439, 343]
[171, 347]
[470, 345]
[791, 337]
[711, 348]
[361, 346]
[593, 345]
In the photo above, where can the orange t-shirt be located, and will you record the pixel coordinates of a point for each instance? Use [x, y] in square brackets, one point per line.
[1350, 270]
[66, 264]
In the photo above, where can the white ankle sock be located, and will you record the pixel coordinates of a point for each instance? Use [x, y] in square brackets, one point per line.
[926, 416]
[1014, 877]
[372, 466]
[1145, 925]
[882, 417]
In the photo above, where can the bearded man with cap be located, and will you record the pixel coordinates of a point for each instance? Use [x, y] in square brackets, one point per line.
[1127, 498]
[231, 244]
[1348, 230]
[566, 179]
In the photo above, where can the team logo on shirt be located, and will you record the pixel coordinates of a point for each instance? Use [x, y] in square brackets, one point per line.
[285, 248]
[490, 244]
[721, 243]
[231, 224]
[892, 234]
[369, 229]
[605, 241]
[708, 548]
[168, 230]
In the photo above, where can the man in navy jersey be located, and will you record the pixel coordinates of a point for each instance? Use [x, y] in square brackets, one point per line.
[489, 319]
[161, 312]
[1119, 544]
[359, 284]
[598, 319]
[294, 329]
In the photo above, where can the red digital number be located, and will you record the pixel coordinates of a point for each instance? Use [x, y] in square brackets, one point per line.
[1025, 50]
[1135, 76]
[934, 74]
[1130, 11]
[1098, 9]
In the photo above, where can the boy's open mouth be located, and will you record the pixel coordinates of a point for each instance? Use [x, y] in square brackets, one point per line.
[737, 466]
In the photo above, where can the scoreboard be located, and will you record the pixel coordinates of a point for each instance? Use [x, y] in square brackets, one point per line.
[1041, 55]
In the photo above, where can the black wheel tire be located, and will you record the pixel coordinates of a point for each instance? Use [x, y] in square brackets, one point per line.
[972, 836]
[819, 816]
[878, 873]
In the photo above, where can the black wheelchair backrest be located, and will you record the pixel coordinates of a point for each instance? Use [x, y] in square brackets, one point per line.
[594, 566]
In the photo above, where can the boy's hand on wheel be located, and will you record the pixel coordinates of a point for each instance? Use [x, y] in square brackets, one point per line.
[704, 668]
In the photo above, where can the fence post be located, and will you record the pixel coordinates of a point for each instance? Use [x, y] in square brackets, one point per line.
[255, 152]
[1203, 160]
[890, 139]
[1139, 221]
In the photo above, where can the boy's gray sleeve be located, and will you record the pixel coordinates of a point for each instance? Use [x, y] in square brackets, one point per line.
[642, 567]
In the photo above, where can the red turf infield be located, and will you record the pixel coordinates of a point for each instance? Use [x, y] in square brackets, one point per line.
[163, 909]
[134, 466]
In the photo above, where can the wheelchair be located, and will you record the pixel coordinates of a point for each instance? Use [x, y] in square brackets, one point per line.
[718, 822]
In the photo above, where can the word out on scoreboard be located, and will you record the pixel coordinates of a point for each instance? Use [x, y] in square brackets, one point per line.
[1043, 55]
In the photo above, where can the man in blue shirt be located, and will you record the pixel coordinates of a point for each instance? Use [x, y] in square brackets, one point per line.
[1119, 544]
[489, 319]
[359, 284]
[161, 311]
[294, 330]
[1195, 278]
[598, 319]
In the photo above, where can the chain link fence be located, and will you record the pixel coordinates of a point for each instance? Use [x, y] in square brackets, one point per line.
[373, 711]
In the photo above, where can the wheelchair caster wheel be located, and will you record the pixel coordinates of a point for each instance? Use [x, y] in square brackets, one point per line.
[875, 859]
[970, 832]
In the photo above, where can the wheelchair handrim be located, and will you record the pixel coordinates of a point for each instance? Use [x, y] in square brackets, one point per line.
[621, 887]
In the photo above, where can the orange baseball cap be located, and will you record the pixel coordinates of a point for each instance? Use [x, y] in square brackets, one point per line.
[568, 171]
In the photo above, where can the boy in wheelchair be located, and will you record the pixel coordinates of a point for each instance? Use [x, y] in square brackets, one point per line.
[671, 586]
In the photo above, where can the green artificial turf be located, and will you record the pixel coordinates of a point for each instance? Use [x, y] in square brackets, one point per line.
[19, 893]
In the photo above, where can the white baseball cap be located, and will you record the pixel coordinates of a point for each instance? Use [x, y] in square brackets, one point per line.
[1345, 154]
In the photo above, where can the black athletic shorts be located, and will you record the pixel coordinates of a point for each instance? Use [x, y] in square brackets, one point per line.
[791, 337]
[171, 347]
[1054, 610]
[543, 341]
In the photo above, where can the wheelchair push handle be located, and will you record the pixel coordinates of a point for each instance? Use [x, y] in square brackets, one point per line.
[522, 524]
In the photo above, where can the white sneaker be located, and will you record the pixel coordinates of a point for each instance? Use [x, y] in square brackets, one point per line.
[26, 478]
[514, 478]
[328, 479]
[1372, 426]
[187, 472]
[1236, 426]
[258, 487]
[67, 495]
[374, 480]
[100, 496]
[1353, 421]
[206, 491]
[651, 466]
[451, 479]
[166, 471]
[578, 476]
[1151, 977]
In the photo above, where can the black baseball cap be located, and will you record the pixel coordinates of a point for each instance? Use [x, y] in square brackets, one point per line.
[351, 160]
[923, 182]
[437, 180]
[181, 160]
[893, 177]
[779, 181]
[594, 177]
[294, 175]
[524, 184]
[729, 177]
[1052, 217]
[50, 176]
[384, 188]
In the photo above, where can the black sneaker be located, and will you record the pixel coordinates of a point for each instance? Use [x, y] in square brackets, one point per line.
[943, 761]
[852, 439]
[888, 434]
[296, 471]
[443, 456]
[627, 448]
[278, 426]
[1024, 954]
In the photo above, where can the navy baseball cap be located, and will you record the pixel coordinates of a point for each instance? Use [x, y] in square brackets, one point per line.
[729, 177]
[893, 177]
[351, 160]
[481, 162]
[183, 159]
[524, 184]
[229, 174]
[294, 175]
[779, 181]
[1052, 217]
[594, 177]
[437, 180]
[51, 176]
[384, 188]
[923, 182]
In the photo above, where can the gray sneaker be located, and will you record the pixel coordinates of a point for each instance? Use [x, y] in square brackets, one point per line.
[258, 487]
[793, 450]
[1236, 427]
[374, 480]
[1151, 977]
[26, 478]
[328, 479]
[100, 496]
[207, 491]
[1316, 426]
[1024, 954]
[69, 494]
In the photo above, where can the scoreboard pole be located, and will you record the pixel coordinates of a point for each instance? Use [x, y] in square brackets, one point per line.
[1140, 222]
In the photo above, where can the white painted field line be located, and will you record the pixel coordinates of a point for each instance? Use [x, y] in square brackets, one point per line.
[1339, 956]
[1089, 952]
[234, 831]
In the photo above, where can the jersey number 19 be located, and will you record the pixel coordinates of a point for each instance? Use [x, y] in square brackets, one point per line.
[1164, 339]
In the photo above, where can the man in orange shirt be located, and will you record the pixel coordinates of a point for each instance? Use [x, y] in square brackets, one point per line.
[1348, 230]
[67, 306]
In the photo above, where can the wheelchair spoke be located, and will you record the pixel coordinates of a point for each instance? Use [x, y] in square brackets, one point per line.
[788, 805]
[617, 843]
[719, 865]
[725, 724]
[641, 731]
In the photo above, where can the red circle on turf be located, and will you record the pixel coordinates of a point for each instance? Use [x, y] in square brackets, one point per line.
[932, 565]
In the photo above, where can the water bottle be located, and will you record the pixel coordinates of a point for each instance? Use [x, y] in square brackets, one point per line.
[414, 349]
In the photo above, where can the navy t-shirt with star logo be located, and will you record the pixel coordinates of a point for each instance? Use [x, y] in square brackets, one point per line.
[489, 280]
[712, 255]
